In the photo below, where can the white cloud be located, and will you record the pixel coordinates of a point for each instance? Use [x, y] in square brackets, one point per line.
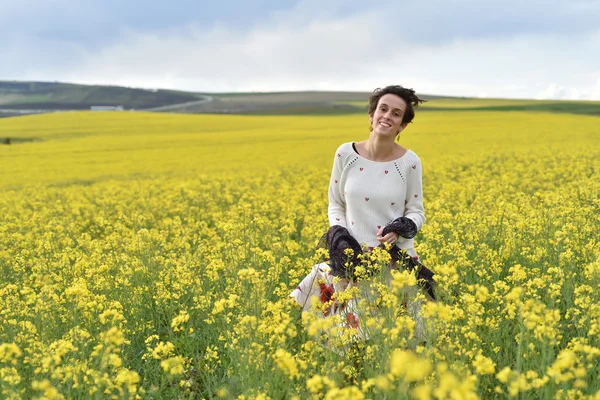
[596, 93]
[553, 91]
[339, 54]
[558, 92]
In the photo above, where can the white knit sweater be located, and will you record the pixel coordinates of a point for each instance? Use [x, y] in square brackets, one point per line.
[365, 195]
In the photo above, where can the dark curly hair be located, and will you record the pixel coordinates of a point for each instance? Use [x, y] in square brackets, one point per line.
[408, 95]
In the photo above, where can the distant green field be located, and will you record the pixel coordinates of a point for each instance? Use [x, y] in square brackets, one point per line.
[477, 104]
[65, 96]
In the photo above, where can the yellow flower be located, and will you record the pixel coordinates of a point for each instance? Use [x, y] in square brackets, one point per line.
[422, 391]
[347, 393]
[173, 365]
[317, 383]
[383, 383]
[504, 374]
[9, 352]
[128, 379]
[287, 363]
[484, 365]
[49, 391]
[405, 364]
[179, 320]
[162, 350]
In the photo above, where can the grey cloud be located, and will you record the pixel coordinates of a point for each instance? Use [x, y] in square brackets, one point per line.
[437, 21]
[465, 48]
[91, 22]
[94, 23]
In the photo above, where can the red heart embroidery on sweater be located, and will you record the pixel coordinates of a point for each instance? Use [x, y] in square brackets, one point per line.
[352, 222]
[393, 203]
[416, 195]
[335, 181]
[339, 155]
[366, 199]
[378, 226]
[361, 168]
[414, 166]
[337, 219]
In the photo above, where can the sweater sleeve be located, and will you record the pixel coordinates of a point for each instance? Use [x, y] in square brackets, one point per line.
[414, 195]
[337, 205]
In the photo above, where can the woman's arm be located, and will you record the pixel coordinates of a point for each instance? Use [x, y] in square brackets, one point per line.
[414, 195]
[337, 206]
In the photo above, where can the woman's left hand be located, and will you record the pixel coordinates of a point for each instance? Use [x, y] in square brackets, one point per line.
[389, 238]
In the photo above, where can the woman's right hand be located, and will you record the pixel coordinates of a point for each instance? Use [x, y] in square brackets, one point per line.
[390, 238]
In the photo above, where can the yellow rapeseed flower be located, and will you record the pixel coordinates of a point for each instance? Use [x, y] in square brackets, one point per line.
[173, 365]
[406, 365]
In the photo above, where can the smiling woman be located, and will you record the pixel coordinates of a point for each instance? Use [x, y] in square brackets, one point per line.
[362, 170]
[375, 197]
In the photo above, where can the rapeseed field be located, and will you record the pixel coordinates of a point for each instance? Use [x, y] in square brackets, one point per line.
[152, 255]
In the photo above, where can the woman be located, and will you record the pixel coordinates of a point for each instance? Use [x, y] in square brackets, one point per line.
[375, 193]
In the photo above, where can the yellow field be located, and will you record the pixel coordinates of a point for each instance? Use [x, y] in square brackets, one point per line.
[151, 255]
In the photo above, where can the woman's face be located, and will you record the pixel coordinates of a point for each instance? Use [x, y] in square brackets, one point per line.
[387, 117]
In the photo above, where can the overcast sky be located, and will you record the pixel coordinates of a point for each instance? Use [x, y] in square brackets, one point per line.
[512, 49]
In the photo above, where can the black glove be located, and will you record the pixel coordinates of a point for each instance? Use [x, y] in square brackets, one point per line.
[336, 240]
[402, 226]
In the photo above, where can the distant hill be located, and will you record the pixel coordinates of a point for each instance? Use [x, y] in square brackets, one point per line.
[16, 95]
[18, 98]
[286, 103]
